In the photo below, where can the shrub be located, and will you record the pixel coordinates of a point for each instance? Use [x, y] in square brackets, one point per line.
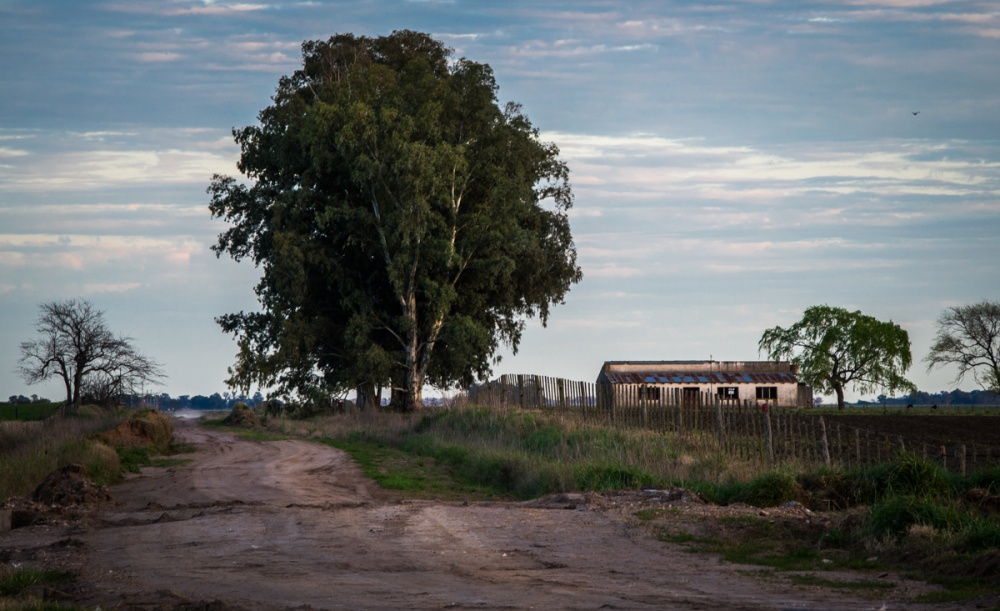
[895, 515]
[907, 475]
[242, 416]
[987, 479]
[769, 490]
[982, 534]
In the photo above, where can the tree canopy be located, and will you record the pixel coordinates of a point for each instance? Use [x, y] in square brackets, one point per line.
[77, 346]
[969, 338]
[836, 348]
[406, 223]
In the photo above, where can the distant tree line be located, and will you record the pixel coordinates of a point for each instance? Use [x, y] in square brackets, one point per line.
[22, 400]
[161, 401]
[944, 397]
[215, 401]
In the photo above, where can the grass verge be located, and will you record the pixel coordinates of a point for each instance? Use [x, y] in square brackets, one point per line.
[14, 581]
[107, 443]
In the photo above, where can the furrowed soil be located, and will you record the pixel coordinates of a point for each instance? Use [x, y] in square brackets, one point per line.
[293, 525]
[972, 430]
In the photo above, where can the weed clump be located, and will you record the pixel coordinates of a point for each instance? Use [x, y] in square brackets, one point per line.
[242, 416]
[907, 474]
[896, 515]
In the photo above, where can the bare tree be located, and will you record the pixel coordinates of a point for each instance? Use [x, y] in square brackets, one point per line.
[77, 346]
[969, 338]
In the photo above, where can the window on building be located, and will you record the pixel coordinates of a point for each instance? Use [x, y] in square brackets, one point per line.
[728, 392]
[767, 392]
[649, 393]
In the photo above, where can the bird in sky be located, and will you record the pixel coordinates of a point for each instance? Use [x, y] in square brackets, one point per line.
[916, 112]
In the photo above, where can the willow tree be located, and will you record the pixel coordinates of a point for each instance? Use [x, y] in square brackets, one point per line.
[836, 348]
[405, 222]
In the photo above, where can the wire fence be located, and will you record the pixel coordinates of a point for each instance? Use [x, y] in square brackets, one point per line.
[744, 429]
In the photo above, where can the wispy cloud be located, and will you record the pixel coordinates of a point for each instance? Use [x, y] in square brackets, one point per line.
[95, 160]
[9, 152]
[644, 164]
[158, 56]
[175, 8]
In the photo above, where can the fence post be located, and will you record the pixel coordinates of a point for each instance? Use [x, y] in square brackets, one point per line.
[944, 457]
[840, 446]
[615, 393]
[824, 444]
[768, 436]
[719, 426]
[857, 445]
[960, 451]
[562, 393]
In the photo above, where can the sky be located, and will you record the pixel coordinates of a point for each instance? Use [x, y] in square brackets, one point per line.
[733, 163]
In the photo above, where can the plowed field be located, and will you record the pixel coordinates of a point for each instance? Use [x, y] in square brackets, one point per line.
[979, 431]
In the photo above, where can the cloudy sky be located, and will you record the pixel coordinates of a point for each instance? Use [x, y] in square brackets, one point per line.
[734, 162]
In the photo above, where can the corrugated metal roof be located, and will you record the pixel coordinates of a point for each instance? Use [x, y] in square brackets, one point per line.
[702, 377]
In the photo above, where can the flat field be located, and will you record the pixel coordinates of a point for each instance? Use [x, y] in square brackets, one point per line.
[972, 430]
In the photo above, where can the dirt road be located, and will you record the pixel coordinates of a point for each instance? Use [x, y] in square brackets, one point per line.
[292, 524]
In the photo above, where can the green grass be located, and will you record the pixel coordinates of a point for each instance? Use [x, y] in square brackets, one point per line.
[759, 541]
[14, 581]
[770, 489]
[398, 470]
[28, 411]
[16, 588]
[243, 433]
[680, 537]
[958, 589]
[839, 584]
[133, 459]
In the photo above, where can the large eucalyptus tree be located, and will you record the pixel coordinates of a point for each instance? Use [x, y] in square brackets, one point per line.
[406, 223]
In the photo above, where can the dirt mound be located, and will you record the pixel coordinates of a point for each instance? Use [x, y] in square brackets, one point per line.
[70, 486]
[145, 429]
[242, 416]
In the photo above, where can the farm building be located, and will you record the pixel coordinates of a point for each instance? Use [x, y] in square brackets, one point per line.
[774, 383]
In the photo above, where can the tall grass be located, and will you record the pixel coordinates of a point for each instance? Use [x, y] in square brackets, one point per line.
[30, 451]
[528, 453]
[523, 453]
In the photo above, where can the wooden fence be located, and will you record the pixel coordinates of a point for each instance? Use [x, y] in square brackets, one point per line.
[743, 429]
